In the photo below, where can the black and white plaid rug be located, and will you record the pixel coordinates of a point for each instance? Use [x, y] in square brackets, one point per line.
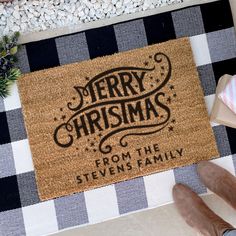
[213, 40]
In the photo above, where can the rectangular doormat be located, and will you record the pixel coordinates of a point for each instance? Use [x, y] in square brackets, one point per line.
[115, 118]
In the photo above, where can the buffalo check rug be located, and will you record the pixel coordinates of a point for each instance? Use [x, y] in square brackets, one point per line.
[210, 29]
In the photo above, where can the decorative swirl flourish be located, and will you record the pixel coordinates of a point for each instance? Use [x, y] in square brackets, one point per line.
[107, 149]
[69, 128]
[81, 98]
[125, 144]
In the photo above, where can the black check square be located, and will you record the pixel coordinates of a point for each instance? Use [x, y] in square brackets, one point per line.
[224, 67]
[217, 16]
[4, 130]
[42, 54]
[101, 41]
[232, 139]
[159, 28]
[9, 194]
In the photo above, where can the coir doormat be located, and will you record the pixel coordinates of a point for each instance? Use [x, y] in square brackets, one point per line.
[114, 118]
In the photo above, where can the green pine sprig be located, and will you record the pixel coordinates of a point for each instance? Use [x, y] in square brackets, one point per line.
[8, 72]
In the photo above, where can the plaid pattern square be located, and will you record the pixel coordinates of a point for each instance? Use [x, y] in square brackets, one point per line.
[76, 49]
[71, 211]
[212, 36]
[27, 189]
[6, 161]
[188, 22]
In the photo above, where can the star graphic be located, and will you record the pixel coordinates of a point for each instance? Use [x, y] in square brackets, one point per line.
[94, 150]
[169, 99]
[61, 109]
[73, 98]
[100, 135]
[87, 78]
[162, 67]
[162, 74]
[174, 95]
[92, 144]
[86, 149]
[146, 63]
[162, 116]
[172, 87]
[151, 77]
[157, 80]
[151, 85]
[55, 119]
[173, 121]
[150, 56]
[171, 128]
[63, 117]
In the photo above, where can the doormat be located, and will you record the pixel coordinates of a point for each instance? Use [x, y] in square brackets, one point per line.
[115, 118]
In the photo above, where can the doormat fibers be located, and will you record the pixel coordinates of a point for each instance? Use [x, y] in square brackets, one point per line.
[21, 210]
[115, 118]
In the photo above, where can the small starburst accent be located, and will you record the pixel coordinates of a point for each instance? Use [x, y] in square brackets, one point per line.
[162, 67]
[162, 74]
[169, 99]
[150, 56]
[173, 120]
[161, 116]
[174, 95]
[94, 150]
[170, 128]
[73, 98]
[92, 144]
[100, 135]
[146, 63]
[151, 77]
[55, 119]
[77, 149]
[63, 117]
[151, 85]
[61, 109]
[172, 87]
[87, 78]
[157, 80]
[86, 149]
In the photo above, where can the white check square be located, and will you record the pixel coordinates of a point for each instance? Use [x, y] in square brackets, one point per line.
[22, 156]
[200, 49]
[105, 208]
[40, 219]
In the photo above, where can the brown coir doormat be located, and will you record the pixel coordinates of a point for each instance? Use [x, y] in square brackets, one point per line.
[115, 118]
